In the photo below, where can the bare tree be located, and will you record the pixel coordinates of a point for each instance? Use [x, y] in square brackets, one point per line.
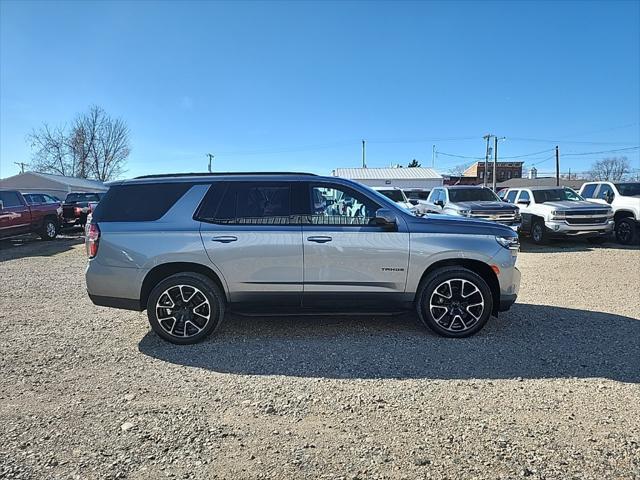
[97, 146]
[50, 150]
[613, 169]
[458, 170]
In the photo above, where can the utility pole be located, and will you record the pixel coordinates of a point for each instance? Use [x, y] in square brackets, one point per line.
[495, 161]
[210, 160]
[557, 166]
[364, 158]
[21, 165]
[486, 161]
[433, 157]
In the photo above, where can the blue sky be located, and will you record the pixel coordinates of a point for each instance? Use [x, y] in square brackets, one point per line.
[297, 85]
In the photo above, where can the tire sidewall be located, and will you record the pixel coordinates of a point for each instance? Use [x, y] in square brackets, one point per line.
[45, 230]
[436, 278]
[631, 227]
[206, 286]
[538, 225]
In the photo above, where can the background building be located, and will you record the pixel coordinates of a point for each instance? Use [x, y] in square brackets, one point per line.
[56, 185]
[504, 171]
[409, 178]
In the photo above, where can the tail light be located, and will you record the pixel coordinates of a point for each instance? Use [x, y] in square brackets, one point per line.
[93, 240]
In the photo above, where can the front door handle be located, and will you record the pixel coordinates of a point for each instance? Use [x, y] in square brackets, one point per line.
[319, 239]
[224, 239]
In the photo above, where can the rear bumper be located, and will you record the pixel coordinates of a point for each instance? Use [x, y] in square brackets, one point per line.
[113, 302]
[506, 300]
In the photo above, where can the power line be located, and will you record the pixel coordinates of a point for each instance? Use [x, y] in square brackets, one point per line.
[604, 151]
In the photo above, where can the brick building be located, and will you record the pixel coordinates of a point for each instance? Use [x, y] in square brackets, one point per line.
[504, 171]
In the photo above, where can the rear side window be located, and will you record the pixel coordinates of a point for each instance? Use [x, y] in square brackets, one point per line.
[248, 203]
[139, 203]
[10, 199]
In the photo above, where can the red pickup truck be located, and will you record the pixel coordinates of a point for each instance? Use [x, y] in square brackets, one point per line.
[17, 217]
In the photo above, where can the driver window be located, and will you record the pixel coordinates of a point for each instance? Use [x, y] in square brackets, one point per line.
[341, 206]
[511, 196]
[605, 192]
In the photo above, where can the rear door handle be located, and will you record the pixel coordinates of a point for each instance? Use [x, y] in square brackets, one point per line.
[319, 239]
[224, 239]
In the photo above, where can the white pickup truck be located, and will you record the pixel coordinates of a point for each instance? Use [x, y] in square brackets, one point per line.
[624, 199]
[549, 212]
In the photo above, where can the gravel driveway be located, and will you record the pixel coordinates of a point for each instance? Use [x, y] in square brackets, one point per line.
[549, 390]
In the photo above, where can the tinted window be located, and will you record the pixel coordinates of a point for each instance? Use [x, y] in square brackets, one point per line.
[524, 196]
[338, 205]
[248, 204]
[472, 195]
[511, 196]
[139, 203]
[395, 195]
[589, 190]
[629, 189]
[10, 199]
[417, 194]
[555, 195]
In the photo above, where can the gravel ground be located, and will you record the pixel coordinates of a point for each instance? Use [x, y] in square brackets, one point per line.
[548, 390]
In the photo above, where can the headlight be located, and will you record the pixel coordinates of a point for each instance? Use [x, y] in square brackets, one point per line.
[517, 215]
[610, 213]
[464, 213]
[512, 243]
[558, 215]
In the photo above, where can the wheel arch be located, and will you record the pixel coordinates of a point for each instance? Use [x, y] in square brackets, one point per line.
[620, 214]
[476, 266]
[162, 271]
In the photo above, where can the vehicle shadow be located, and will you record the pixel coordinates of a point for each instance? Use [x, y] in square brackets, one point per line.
[32, 246]
[530, 341]
[571, 245]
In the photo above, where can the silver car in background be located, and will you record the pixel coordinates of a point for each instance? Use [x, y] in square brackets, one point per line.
[188, 248]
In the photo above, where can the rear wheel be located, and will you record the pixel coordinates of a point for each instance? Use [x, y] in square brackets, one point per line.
[625, 231]
[454, 302]
[538, 232]
[185, 308]
[49, 229]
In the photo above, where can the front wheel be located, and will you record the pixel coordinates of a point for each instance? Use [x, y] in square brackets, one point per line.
[538, 233]
[454, 302]
[185, 308]
[49, 229]
[625, 230]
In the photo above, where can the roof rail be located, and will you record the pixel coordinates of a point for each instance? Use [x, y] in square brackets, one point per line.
[221, 174]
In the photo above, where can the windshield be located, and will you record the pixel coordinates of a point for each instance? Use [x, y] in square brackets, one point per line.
[628, 189]
[472, 195]
[395, 195]
[556, 195]
[82, 197]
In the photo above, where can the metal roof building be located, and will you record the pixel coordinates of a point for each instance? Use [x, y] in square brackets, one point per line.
[409, 178]
[56, 185]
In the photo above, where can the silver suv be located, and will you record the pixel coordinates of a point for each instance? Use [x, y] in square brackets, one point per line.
[188, 248]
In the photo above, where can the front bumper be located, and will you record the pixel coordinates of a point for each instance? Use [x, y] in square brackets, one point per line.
[561, 228]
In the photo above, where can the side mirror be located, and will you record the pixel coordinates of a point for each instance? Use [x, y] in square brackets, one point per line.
[609, 197]
[440, 203]
[385, 218]
[524, 202]
[413, 202]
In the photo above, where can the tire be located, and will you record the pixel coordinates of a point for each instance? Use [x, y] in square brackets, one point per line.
[190, 321]
[625, 230]
[460, 318]
[539, 233]
[49, 229]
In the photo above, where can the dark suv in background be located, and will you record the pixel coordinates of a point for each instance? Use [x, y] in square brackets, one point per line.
[188, 248]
